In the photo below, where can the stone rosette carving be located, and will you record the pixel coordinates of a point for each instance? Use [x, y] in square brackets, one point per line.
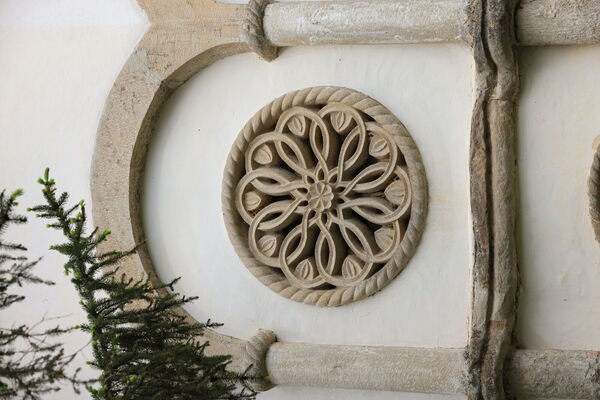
[324, 196]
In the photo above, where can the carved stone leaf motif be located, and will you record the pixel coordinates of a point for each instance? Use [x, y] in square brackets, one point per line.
[352, 267]
[306, 269]
[265, 155]
[384, 238]
[337, 120]
[252, 200]
[341, 122]
[269, 244]
[397, 192]
[324, 195]
[297, 125]
[378, 147]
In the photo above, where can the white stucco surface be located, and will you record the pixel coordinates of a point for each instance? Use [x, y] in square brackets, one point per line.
[61, 57]
[559, 127]
[427, 87]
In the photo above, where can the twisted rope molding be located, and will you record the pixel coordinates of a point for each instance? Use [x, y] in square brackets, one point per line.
[254, 31]
[594, 193]
[255, 356]
[416, 171]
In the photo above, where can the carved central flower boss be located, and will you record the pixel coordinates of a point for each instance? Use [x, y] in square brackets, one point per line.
[325, 196]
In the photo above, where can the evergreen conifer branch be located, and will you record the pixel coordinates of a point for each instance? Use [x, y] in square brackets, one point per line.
[142, 347]
[32, 364]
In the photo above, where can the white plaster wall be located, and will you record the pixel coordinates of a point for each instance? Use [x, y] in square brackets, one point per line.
[559, 124]
[58, 61]
[60, 58]
[427, 87]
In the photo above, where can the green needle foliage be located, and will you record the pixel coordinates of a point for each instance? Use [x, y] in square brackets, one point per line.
[31, 365]
[142, 347]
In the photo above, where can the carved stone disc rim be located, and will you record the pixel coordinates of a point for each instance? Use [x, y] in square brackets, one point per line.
[237, 230]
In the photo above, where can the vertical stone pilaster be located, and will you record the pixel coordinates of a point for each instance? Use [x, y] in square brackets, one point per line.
[493, 186]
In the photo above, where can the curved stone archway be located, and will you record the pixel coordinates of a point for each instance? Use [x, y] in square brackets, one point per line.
[179, 43]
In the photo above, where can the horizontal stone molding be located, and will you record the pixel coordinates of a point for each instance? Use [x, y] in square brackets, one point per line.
[558, 22]
[394, 369]
[538, 23]
[557, 374]
[365, 22]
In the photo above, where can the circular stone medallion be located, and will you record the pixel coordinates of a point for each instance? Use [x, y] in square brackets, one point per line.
[324, 196]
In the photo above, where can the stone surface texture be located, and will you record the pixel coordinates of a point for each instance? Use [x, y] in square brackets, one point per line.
[558, 22]
[396, 369]
[367, 22]
[184, 37]
[538, 22]
[494, 275]
[349, 196]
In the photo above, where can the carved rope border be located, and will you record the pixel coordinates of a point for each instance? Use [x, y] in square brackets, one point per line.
[238, 233]
[187, 35]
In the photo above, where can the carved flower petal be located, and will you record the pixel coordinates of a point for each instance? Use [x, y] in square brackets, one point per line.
[340, 121]
[384, 238]
[253, 200]
[297, 125]
[265, 155]
[358, 236]
[351, 267]
[378, 147]
[396, 192]
[269, 244]
[306, 269]
[272, 181]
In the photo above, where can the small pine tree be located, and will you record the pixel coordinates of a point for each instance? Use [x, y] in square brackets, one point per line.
[142, 347]
[30, 366]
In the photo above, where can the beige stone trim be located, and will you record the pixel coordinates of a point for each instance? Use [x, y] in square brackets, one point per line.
[255, 356]
[365, 22]
[258, 154]
[538, 22]
[558, 22]
[556, 374]
[172, 50]
[492, 168]
[254, 32]
[396, 369]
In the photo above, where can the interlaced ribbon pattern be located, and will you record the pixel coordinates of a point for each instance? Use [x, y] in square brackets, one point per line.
[324, 196]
